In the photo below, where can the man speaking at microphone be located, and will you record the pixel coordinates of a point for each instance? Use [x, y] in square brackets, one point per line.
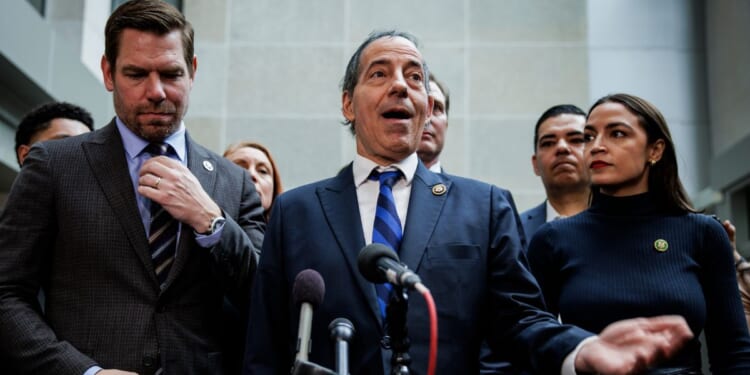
[462, 237]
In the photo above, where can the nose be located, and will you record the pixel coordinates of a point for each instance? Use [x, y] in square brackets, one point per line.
[155, 89]
[596, 145]
[253, 175]
[398, 85]
[562, 147]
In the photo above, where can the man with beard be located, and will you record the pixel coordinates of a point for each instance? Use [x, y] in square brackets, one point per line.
[134, 231]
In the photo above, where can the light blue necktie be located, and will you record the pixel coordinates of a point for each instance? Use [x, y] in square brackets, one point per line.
[387, 227]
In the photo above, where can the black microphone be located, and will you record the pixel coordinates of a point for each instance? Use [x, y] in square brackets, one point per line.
[342, 331]
[379, 264]
[308, 291]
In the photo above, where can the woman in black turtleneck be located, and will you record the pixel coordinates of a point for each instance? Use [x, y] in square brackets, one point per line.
[640, 249]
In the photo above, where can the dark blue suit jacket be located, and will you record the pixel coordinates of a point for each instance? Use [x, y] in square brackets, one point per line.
[466, 245]
[532, 219]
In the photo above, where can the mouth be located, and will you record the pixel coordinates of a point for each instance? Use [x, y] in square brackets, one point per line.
[598, 164]
[397, 114]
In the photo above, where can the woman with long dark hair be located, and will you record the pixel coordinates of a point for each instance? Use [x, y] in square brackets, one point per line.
[641, 249]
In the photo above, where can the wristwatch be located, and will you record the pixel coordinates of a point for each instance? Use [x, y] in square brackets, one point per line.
[215, 224]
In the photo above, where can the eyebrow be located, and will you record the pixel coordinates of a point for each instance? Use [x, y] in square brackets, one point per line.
[388, 61]
[611, 125]
[568, 134]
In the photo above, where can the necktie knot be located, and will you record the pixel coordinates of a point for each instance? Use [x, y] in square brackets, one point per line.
[387, 178]
[158, 149]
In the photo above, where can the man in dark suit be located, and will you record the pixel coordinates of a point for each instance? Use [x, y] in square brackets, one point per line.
[135, 253]
[433, 135]
[461, 236]
[558, 161]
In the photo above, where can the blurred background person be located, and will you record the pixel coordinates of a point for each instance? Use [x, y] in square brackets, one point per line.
[257, 160]
[54, 120]
[558, 161]
[640, 249]
[433, 135]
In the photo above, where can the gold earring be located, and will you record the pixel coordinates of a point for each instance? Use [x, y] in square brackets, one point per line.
[652, 162]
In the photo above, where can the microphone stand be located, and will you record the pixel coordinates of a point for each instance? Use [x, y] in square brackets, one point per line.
[395, 326]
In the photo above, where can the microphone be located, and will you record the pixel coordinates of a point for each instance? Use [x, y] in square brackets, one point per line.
[342, 331]
[308, 291]
[379, 264]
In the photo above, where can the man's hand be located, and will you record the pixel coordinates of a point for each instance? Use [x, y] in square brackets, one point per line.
[632, 345]
[169, 183]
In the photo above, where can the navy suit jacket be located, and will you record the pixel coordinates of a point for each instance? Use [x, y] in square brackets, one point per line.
[465, 244]
[534, 218]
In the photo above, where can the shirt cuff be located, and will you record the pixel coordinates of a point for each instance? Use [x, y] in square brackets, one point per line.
[206, 241]
[569, 364]
[93, 370]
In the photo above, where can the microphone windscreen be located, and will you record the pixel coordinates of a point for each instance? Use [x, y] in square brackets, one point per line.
[367, 261]
[308, 287]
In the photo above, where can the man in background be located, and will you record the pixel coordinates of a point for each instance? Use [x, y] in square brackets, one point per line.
[433, 135]
[558, 161]
[54, 120]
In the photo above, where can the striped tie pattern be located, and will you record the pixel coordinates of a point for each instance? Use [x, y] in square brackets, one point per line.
[387, 228]
[162, 235]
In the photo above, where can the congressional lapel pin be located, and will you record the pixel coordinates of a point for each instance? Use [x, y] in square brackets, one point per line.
[439, 189]
[208, 166]
[661, 245]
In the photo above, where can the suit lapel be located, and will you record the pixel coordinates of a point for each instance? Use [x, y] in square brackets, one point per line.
[105, 155]
[346, 225]
[203, 166]
[425, 205]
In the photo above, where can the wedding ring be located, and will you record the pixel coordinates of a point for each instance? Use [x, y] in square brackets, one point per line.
[158, 180]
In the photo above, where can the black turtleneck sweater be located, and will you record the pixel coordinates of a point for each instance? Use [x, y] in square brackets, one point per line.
[603, 265]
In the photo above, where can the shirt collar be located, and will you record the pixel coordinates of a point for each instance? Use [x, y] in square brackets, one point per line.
[552, 214]
[436, 167]
[362, 167]
[134, 144]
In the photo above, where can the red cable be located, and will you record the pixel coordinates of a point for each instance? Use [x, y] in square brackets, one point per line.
[432, 363]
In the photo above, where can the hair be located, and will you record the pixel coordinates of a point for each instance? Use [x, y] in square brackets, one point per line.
[663, 179]
[442, 88]
[554, 111]
[351, 76]
[277, 188]
[40, 119]
[154, 16]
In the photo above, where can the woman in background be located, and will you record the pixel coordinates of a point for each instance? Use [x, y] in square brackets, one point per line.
[640, 249]
[257, 160]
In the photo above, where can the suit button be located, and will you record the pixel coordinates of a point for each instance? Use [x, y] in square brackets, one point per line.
[148, 361]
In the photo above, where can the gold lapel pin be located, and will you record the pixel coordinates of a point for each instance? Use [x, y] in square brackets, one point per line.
[208, 166]
[439, 189]
[661, 245]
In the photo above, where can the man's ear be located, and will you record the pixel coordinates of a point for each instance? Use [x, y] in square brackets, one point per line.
[347, 108]
[109, 81]
[195, 68]
[21, 153]
[533, 165]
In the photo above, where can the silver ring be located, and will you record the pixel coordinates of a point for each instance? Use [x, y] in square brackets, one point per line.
[158, 180]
